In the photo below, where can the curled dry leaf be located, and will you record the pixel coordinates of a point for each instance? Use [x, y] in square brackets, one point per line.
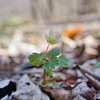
[57, 94]
[26, 90]
[83, 90]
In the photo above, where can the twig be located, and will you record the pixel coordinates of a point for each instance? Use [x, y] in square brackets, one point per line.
[92, 78]
[88, 72]
[95, 83]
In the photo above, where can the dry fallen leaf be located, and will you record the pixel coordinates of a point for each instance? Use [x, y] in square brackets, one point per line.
[71, 31]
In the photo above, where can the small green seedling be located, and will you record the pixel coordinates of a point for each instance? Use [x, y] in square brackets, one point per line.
[49, 59]
[97, 65]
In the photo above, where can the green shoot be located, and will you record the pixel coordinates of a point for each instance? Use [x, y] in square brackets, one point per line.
[51, 58]
[97, 65]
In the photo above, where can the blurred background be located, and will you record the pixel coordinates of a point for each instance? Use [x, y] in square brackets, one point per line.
[51, 11]
[24, 22]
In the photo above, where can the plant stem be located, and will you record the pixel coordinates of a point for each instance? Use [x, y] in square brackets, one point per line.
[44, 78]
[47, 48]
[44, 73]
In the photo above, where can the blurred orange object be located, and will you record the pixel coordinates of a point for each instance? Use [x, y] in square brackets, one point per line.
[72, 31]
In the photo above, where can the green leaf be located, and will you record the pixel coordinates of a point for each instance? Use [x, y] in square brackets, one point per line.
[35, 59]
[47, 66]
[54, 61]
[51, 63]
[54, 52]
[97, 65]
[63, 61]
[49, 72]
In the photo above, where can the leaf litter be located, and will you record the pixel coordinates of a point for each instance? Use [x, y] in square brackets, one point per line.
[77, 82]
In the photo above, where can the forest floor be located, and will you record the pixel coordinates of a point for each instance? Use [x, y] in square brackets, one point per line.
[18, 78]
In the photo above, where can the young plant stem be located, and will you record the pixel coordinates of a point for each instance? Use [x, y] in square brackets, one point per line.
[47, 48]
[44, 73]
